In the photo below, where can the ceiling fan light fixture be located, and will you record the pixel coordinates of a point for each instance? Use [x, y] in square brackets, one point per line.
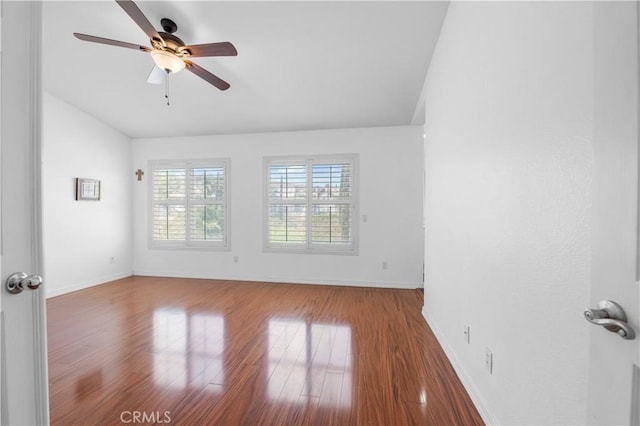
[167, 61]
[168, 51]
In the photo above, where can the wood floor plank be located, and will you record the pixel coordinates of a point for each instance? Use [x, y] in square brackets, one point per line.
[199, 352]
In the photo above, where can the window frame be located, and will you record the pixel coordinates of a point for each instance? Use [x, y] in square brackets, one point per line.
[188, 243]
[309, 247]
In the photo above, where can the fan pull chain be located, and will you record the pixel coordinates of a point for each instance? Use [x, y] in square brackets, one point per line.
[166, 88]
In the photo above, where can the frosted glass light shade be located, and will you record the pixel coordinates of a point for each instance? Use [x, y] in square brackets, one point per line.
[167, 60]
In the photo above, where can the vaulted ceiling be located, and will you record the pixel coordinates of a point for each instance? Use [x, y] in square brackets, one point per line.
[300, 65]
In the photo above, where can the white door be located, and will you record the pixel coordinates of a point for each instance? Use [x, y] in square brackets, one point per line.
[24, 362]
[615, 276]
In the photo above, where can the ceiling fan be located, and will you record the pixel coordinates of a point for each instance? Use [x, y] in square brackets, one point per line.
[169, 53]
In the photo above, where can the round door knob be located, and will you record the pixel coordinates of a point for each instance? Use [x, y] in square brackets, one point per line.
[19, 281]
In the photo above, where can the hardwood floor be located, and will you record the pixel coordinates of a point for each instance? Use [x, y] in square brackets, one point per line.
[204, 352]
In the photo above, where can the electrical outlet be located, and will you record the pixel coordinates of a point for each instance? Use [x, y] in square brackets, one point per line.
[488, 360]
[467, 334]
[112, 260]
[385, 265]
[235, 259]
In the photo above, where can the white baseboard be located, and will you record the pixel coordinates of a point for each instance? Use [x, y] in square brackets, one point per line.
[468, 384]
[286, 280]
[82, 285]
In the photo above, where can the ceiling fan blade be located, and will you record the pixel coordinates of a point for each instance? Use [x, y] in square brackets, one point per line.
[156, 76]
[103, 40]
[212, 49]
[136, 14]
[207, 76]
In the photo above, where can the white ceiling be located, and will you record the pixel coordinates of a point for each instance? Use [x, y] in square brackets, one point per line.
[300, 65]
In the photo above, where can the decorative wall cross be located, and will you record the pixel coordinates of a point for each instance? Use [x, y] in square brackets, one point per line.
[139, 173]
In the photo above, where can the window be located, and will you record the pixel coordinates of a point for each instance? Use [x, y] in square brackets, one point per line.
[189, 204]
[310, 204]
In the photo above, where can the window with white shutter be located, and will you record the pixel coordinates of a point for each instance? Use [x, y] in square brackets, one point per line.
[310, 204]
[189, 204]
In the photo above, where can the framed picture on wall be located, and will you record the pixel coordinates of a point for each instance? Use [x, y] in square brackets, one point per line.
[87, 189]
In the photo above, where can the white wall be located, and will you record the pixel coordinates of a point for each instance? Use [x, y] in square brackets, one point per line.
[509, 158]
[390, 176]
[80, 237]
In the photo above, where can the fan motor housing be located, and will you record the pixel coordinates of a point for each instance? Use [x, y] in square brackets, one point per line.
[172, 43]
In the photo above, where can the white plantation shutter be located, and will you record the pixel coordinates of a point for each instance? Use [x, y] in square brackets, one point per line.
[287, 194]
[207, 206]
[169, 222]
[331, 203]
[310, 204]
[189, 204]
[169, 202]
